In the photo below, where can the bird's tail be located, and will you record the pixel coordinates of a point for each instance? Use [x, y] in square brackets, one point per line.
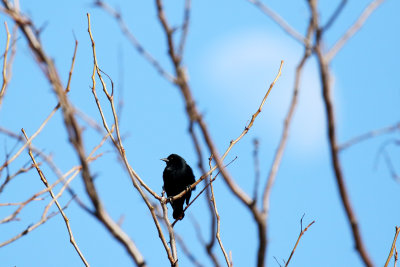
[178, 213]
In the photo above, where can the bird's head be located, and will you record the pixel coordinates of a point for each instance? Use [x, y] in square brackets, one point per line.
[174, 160]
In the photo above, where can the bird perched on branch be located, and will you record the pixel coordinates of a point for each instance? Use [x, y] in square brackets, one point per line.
[177, 177]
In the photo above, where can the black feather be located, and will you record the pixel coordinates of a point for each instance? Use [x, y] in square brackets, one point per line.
[177, 177]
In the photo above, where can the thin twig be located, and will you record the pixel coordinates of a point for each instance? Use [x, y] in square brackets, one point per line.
[57, 107]
[72, 67]
[36, 195]
[256, 144]
[32, 227]
[390, 166]
[5, 78]
[204, 189]
[19, 203]
[369, 135]
[298, 240]
[48, 160]
[278, 20]
[288, 119]
[12, 176]
[136, 44]
[393, 247]
[335, 15]
[218, 236]
[16, 155]
[172, 242]
[185, 27]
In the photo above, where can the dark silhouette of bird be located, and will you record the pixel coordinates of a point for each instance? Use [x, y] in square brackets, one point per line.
[177, 177]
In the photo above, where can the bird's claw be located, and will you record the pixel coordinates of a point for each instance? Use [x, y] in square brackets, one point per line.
[188, 188]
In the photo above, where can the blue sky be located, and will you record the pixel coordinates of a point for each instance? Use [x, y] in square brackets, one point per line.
[233, 53]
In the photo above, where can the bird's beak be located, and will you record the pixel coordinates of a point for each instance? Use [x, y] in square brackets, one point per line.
[165, 159]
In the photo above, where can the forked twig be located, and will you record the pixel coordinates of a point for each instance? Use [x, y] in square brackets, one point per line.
[57, 107]
[32, 227]
[132, 39]
[66, 220]
[73, 130]
[136, 180]
[298, 239]
[202, 190]
[288, 121]
[240, 193]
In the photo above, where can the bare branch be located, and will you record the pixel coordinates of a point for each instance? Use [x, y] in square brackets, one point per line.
[204, 189]
[136, 44]
[117, 143]
[213, 223]
[333, 146]
[48, 160]
[5, 79]
[390, 166]
[393, 248]
[369, 135]
[194, 116]
[19, 203]
[185, 27]
[73, 130]
[335, 15]
[279, 21]
[232, 185]
[133, 175]
[218, 219]
[353, 29]
[288, 119]
[174, 254]
[22, 205]
[256, 169]
[9, 177]
[32, 227]
[298, 240]
[5, 164]
[66, 220]
[47, 119]
[72, 67]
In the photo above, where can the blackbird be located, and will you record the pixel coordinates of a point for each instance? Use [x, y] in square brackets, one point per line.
[177, 177]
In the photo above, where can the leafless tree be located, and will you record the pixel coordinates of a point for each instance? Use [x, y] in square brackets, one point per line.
[24, 157]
